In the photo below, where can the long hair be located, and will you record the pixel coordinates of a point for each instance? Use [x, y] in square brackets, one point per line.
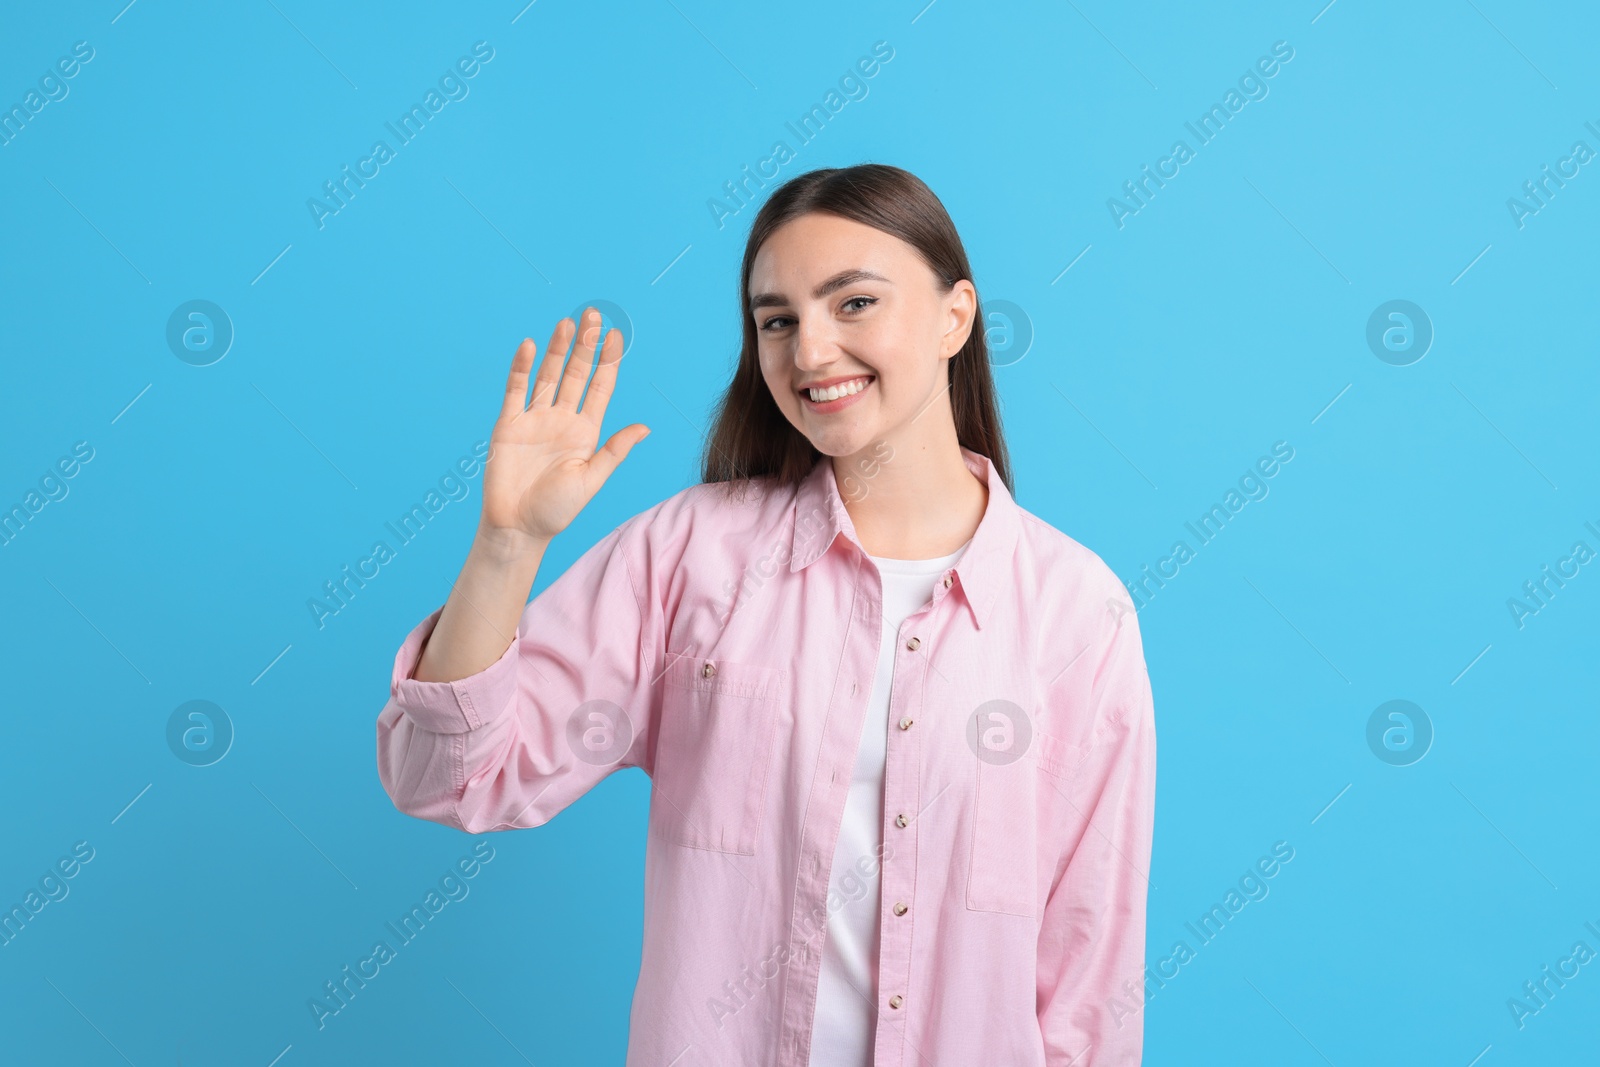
[750, 437]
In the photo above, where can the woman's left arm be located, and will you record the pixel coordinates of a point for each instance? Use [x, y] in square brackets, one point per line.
[1091, 944]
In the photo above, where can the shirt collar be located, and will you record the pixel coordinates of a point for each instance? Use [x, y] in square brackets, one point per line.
[981, 572]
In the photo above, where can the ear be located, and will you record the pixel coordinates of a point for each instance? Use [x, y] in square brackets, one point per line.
[961, 309]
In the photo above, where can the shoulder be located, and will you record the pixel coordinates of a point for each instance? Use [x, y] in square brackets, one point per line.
[710, 514]
[1075, 601]
[1087, 612]
[745, 500]
[1064, 563]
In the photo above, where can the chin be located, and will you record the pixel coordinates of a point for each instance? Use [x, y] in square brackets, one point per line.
[840, 445]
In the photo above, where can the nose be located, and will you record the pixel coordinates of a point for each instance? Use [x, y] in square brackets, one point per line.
[814, 345]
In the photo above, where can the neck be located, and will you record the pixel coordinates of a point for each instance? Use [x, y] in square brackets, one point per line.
[911, 499]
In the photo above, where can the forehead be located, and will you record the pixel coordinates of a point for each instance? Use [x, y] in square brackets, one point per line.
[816, 245]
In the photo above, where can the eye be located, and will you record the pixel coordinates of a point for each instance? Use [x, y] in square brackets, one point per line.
[777, 322]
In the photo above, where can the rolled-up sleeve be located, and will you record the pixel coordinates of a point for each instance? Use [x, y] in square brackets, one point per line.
[569, 701]
[1091, 941]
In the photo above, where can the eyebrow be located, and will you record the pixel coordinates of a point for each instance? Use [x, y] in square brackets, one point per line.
[838, 281]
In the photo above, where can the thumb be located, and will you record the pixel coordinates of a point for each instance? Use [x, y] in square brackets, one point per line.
[614, 451]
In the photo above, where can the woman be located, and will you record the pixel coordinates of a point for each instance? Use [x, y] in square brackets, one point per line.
[899, 730]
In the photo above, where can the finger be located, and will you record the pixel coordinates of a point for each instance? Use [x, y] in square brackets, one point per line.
[578, 367]
[603, 385]
[544, 383]
[517, 381]
[613, 452]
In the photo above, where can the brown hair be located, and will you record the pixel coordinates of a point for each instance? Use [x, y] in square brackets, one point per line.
[750, 437]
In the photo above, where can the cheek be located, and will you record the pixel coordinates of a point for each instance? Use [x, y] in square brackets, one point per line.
[897, 364]
[895, 347]
[771, 375]
[785, 398]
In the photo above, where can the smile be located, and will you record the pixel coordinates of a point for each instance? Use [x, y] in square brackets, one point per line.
[838, 395]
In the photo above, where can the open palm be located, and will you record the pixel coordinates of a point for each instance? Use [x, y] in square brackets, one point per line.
[543, 466]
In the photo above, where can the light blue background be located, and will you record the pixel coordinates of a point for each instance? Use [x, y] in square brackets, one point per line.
[1226, 315]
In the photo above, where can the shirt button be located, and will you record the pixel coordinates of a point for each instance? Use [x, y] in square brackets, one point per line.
[900, 820]
[947, 581]
[709, 670]
[895, 1001]
[913, 644]
[899, 908]
[905, 724]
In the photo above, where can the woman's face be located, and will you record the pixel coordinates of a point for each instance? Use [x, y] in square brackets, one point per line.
[838, 303]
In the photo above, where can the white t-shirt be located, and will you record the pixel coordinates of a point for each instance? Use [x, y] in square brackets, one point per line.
[842, 1029]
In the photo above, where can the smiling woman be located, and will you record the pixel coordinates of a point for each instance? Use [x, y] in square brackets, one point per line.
[902, 721]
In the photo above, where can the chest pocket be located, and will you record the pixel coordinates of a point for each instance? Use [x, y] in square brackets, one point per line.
[714, 751]
[1005, 870]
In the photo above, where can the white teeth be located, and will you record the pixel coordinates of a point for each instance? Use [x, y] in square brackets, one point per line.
[834, 392]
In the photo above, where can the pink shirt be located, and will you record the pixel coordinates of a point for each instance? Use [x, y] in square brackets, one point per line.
[729, 650]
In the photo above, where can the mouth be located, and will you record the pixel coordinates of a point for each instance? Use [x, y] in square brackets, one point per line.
[837, 395]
